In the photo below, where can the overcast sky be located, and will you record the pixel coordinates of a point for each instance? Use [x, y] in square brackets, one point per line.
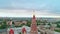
[24, 8]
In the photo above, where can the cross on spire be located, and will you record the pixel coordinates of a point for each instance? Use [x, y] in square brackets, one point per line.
[33, 12]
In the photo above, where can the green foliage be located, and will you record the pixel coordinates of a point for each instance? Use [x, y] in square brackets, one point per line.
[38, 30]
[4, 25]
[20, 33]
[12, 22]
[28, 23]
[49, 24]
[21, 25]
[57, 30]
[58, 25]
[58, 22]
[38, 22]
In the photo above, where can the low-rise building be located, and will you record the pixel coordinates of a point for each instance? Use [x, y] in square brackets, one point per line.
[9, 22]
[18, 23]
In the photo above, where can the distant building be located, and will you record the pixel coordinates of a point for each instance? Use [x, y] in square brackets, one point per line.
[24, 22]
[46, 29]
[18, 23]
[9, 23]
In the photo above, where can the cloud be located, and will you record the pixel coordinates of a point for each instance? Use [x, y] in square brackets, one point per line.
[26, 13]
[24, 9]
[13, 13]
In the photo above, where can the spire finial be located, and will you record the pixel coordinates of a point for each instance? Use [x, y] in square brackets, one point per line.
[33, 12]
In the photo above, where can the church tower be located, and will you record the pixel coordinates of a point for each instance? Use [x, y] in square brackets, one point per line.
[34, 29]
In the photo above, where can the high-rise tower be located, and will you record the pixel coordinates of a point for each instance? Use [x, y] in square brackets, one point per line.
[34, 29]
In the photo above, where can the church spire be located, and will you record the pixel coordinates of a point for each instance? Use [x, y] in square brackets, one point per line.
[34, 25]
[33, 14]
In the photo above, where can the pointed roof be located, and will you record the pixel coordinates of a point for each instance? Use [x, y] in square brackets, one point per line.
[11, 31]
[23, 30]
[33, 14]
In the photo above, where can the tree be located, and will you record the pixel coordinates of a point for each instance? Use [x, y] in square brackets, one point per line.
[38, 22]
[49, 24]
[28, 23]
[4, 25]
[58, 25]
[12, 22]
[20, 33]
[57, 30]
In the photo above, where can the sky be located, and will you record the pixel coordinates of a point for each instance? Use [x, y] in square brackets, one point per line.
[24, 8]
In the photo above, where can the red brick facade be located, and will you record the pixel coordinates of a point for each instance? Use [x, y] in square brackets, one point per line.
[34, 26]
